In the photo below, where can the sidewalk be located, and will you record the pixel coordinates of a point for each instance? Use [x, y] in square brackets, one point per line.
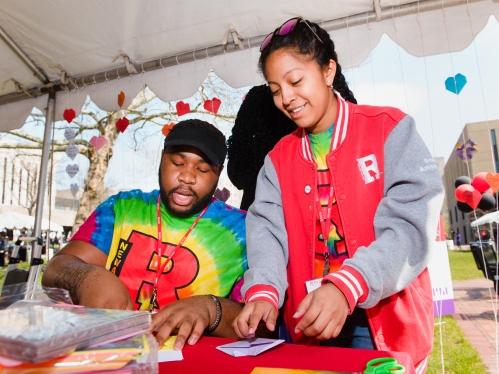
[475, 316]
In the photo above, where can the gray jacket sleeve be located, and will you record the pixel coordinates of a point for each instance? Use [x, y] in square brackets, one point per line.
[406, 219]
[266, 237]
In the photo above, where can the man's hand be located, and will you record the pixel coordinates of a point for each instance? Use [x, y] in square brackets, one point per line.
[247, 321]
[324, 312]
[191, 316]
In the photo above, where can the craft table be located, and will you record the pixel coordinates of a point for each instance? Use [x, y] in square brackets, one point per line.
[203, 357]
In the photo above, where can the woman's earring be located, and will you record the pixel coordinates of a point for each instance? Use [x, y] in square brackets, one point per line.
[328, 83]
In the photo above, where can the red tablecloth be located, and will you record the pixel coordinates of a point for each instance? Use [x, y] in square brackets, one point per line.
[205, 358]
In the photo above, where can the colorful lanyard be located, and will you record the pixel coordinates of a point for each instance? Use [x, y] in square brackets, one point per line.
[325, 224]
[159, 267]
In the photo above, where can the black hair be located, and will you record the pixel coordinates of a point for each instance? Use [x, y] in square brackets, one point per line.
[258, 127]
[200, 124]
[302, 41]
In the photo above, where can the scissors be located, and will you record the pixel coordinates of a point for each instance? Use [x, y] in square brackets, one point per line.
[384, 365]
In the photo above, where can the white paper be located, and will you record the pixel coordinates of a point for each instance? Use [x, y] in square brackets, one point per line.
[165, 356]
[250, 347]
[167, 353]
[313, 284]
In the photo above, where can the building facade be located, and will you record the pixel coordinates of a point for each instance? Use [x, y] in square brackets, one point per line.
[486, 135]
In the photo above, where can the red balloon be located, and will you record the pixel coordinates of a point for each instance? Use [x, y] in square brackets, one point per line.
[480, 182]
[461, 189]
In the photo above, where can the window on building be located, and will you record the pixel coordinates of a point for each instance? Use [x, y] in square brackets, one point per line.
[465, 236]
[455, 212]
[494, 147]
[450, 216]
[462, 214]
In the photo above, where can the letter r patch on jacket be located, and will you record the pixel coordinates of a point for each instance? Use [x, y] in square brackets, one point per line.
[368, 167]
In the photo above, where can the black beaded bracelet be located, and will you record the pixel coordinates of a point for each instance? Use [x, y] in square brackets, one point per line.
[218, 318]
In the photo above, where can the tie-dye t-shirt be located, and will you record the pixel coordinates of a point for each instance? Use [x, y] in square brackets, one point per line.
[321, 145]
[211, 260]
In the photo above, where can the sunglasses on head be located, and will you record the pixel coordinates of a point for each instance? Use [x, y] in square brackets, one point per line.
[285, 29]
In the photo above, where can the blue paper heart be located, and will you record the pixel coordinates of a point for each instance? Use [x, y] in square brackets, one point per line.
[455, 84]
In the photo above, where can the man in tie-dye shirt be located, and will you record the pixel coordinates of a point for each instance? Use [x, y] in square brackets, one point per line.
[113, 261]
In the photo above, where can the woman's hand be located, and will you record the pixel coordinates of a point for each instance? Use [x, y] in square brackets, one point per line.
[247, 321]
[324, 312]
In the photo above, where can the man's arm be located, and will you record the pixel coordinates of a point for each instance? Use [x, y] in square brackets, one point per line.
[80, 268]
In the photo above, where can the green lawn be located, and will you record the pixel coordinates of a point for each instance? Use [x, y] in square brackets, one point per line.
[463, 266]
[459, 355]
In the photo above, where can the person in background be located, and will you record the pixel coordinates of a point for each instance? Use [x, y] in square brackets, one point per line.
[346, 208]
[4, 247]
[458, 240]
[258, 127]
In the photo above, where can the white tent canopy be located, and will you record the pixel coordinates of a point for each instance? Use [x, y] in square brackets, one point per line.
[88, 38]
[11, 220]
[486, 219]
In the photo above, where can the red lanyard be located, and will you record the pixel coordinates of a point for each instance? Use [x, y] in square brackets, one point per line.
[325, 224]
[159, 267]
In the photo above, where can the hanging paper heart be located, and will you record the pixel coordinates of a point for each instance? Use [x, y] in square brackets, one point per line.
[455, 84]
[222, 195]
[121, 99]
[212, 105]
[167, 128]
[472, 198]
[72, 170]
[493, 181]
[98, 142]
[122, 124]
[74, 188]
[182, 108]
[69, 115]
[72, 151]
[69, 134]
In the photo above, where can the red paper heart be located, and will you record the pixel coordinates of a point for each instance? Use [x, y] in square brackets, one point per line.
[212, 105]
[167, 128]
[493, 181]
[98, 142]
[69, 115]
[121, 99]
[472, 198]
[122, 124]
[182, 108]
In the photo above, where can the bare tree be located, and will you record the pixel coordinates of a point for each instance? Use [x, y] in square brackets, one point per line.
[145, 109]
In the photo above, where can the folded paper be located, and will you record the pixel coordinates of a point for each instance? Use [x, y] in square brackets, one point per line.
[250, 347]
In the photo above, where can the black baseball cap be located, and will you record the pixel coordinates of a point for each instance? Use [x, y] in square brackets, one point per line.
[202, 135]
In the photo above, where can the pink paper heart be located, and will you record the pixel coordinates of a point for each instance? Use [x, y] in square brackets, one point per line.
[98, 142]
[69, 115]
[212, 105]
[472, 198]
[122, 124]
[182, 108]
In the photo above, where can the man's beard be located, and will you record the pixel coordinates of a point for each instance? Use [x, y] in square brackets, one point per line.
[198, 205]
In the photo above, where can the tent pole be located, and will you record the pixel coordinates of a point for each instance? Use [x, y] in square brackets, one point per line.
[42, 182]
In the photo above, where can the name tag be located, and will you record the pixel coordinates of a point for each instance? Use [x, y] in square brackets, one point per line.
[313, 284]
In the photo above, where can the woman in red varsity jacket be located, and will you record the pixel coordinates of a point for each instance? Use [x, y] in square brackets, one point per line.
[345, 213]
